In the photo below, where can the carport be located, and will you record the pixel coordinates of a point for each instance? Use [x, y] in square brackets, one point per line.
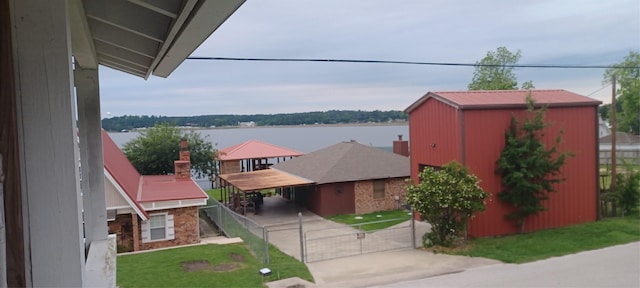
[235, 186]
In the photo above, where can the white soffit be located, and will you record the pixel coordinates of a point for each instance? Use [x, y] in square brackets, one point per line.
[141, 37]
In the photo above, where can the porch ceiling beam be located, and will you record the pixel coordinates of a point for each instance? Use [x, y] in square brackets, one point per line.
[125, 55]
[122, 67]
[124, 39]
[166, 7]
[118, 60]
[82, 45]
[206, 19]
[130, 17]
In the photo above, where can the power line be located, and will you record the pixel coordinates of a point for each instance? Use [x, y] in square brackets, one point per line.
[594, 92]
[557, 66]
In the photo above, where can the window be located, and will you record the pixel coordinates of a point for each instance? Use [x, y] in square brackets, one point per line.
[111, 214]
[378, 189]
[159, 227]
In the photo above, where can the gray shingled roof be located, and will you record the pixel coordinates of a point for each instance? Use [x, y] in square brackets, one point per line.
[621, 138]
[347, 161]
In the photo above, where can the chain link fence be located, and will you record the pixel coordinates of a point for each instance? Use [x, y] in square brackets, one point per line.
[235, 225]
[345, 241]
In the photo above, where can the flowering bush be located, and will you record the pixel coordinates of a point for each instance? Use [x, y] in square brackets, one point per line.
[446, 198]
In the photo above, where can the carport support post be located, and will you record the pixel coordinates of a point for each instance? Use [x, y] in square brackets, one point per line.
[301, 238]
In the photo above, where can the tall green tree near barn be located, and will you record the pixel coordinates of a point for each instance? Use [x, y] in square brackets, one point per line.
[628, 95]
[446, 198]
[493, 71]
[529, 170]
[153, 152]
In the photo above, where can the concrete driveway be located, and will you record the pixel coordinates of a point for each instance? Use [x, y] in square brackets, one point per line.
[281, 218]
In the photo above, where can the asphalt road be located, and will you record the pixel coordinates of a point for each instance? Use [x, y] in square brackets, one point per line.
[617, 266]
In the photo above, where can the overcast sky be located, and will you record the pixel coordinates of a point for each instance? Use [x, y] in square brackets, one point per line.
[581, 32]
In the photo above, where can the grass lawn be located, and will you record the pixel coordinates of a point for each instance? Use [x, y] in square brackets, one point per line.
[394, 217]
[555, 242]
[229, 265]
[217, 193]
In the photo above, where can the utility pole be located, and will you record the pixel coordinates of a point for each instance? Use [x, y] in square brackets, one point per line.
[612, 186]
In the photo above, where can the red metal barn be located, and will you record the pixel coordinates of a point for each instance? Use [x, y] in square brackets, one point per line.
[469, 127]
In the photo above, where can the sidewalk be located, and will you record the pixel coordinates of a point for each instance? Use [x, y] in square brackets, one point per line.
[390, 267]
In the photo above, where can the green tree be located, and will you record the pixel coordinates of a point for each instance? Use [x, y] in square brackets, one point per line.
[529, 170]
[628, 95]
[153, 152]
[628, 188]
[446, 198]
[493, 71]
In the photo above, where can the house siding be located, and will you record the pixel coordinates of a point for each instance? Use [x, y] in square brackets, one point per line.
[482, 132]
[365, 203]
[433, 140]
[112, 196]
[333, 202]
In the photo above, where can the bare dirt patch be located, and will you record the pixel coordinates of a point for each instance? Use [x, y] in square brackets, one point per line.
[236, 257]
[204, 265]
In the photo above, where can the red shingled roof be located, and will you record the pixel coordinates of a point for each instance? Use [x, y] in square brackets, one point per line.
[122, 171]
[494, 99]
[254, 149]
[148, 188]
[166, 187]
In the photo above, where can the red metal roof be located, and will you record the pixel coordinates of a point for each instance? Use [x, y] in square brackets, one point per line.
[148, 188]
[493, 99]
[254, 149]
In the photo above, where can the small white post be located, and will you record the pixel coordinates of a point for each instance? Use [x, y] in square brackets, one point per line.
[3, 245]
[301, 238]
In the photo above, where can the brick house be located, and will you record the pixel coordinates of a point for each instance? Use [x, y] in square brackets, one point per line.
[349, 178]
[150, 211]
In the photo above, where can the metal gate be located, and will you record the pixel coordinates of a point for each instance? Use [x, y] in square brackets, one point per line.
[344, 241]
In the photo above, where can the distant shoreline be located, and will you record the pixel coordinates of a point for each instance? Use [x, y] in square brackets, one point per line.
[283, 126]
[325, 125]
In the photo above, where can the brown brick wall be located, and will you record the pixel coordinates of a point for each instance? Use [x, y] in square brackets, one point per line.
[123, 229]
[186, 227]
[364, 196]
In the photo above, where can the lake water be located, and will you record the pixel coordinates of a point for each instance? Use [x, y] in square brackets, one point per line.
[302, 138]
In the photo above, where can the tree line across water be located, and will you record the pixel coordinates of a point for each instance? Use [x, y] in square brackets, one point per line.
[130, 122]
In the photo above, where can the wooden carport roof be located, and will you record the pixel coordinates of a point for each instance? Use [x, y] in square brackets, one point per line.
[263, 179]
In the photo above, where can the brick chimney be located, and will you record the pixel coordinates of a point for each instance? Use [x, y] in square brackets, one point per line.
[183, 166]
[401, 147]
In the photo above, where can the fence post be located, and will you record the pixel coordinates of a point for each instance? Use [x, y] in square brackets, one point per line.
[413, 229]
[265, 232]
[301, 238]
[219, 212]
